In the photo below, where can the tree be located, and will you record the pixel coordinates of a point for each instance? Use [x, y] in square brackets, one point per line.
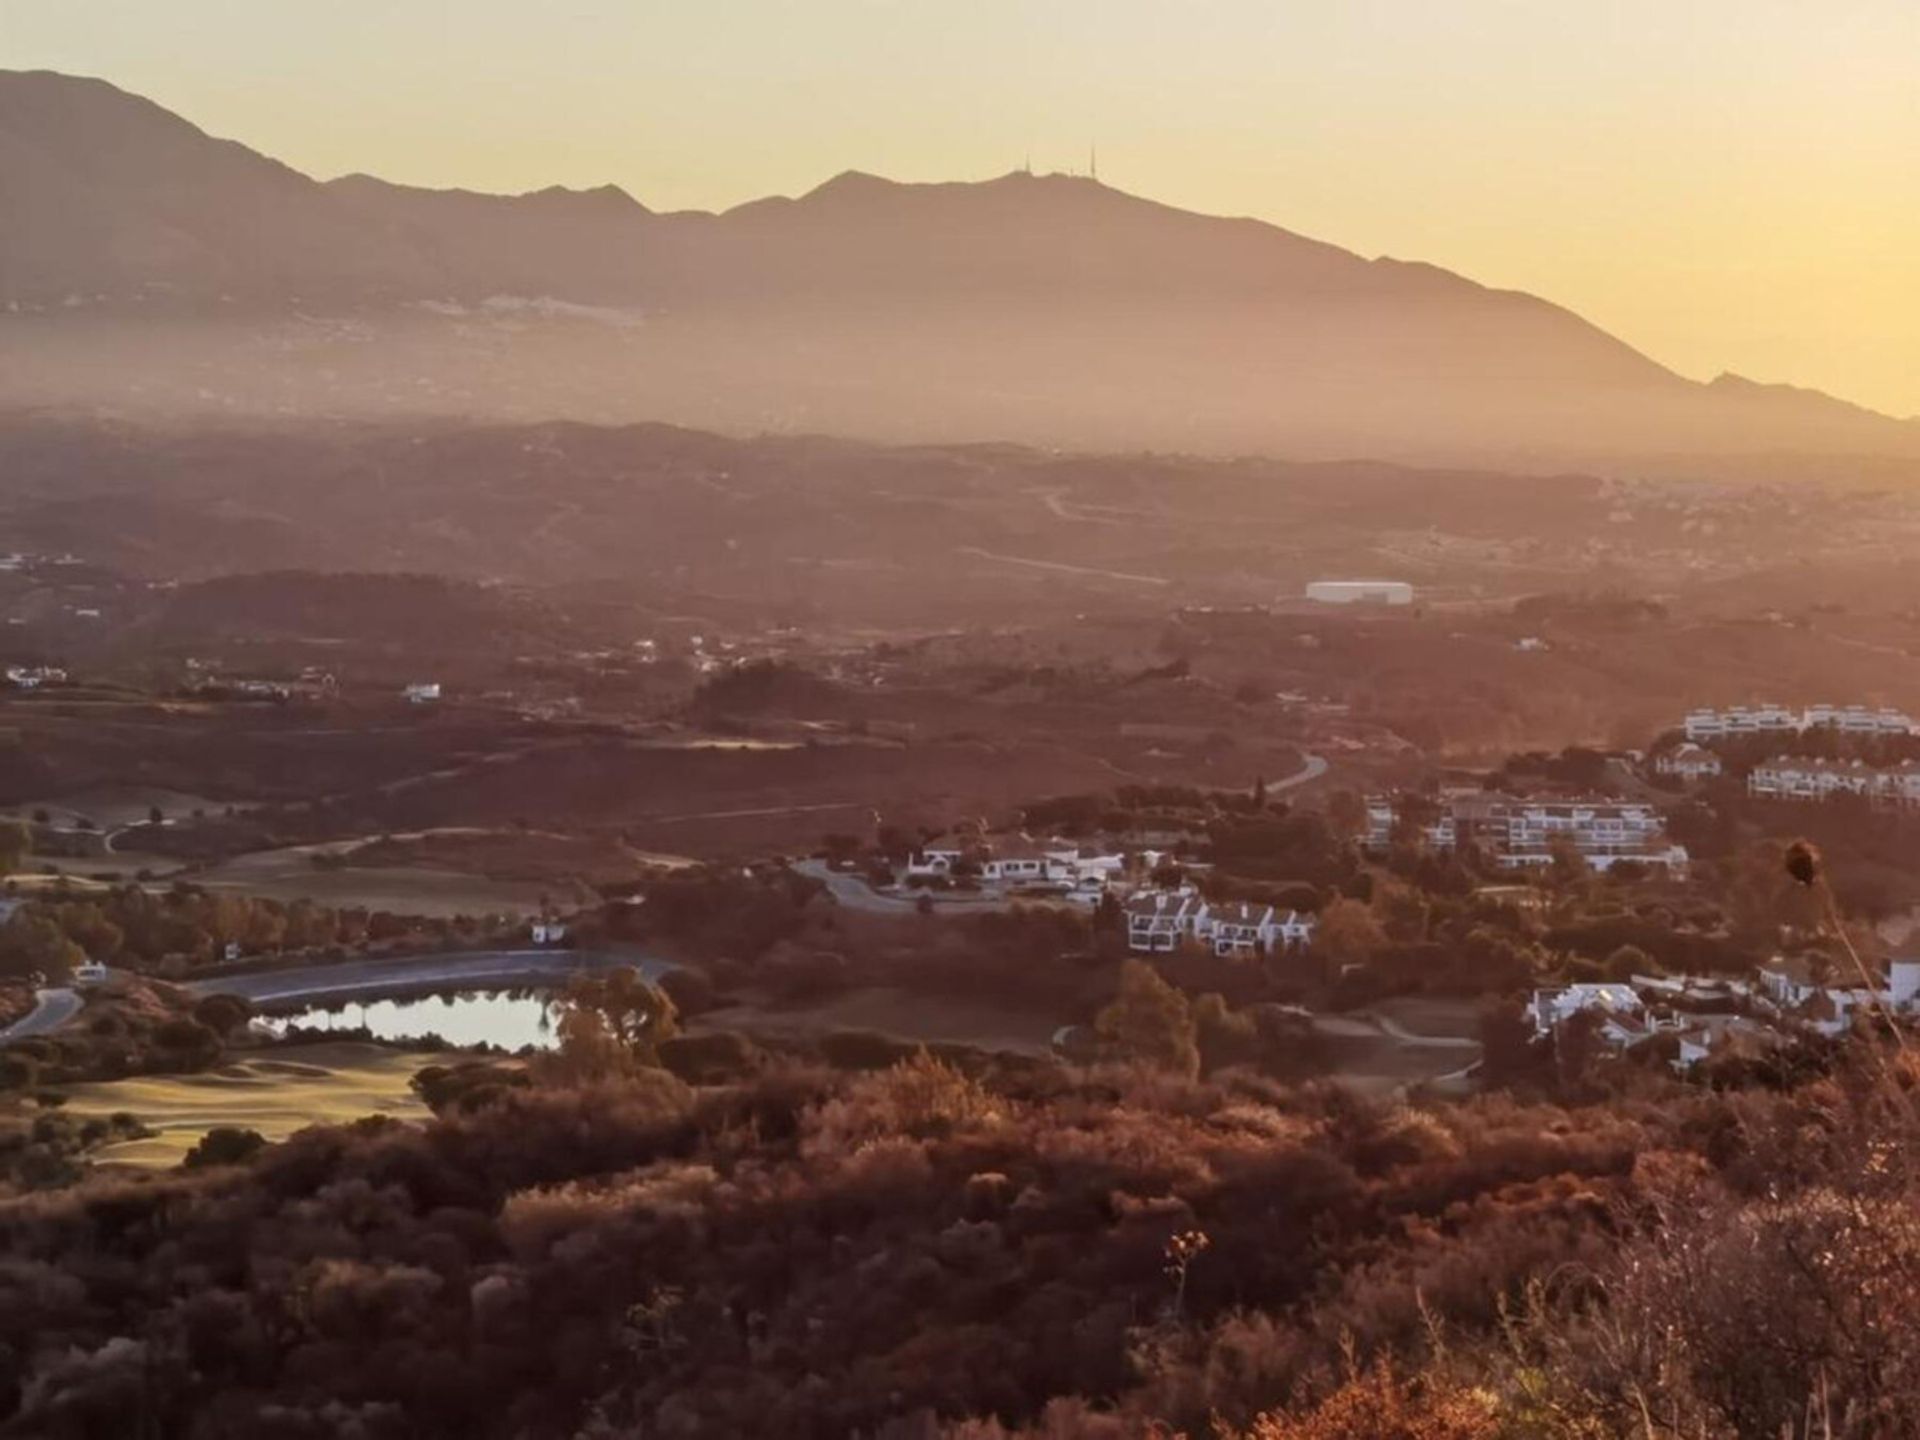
[31, 943]
[16, 843]
[1150, 1020]
[1509, 1046]
[1566, 865]
[636, 1015]
[1628, 961]
[1348, 933]
[1347, 814]
[155, 815]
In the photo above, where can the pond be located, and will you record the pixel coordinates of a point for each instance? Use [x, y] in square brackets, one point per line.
[510, 1019]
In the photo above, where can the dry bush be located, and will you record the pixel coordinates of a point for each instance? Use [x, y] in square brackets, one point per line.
[1380, 1405]
[531, 1221]
[920, 1096]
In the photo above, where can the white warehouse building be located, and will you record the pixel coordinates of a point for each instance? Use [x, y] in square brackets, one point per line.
[1362, 592]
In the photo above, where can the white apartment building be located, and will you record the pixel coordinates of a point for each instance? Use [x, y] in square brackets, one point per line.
[1857, 720]
[1441, 833]
[1522, 833]
[1742, 720]
[1602, 832]
[1778, 720]
[1787, 777]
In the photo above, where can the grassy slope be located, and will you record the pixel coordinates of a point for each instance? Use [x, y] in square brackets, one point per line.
[330, 1083]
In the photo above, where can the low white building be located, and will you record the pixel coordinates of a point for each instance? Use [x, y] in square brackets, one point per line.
[1622, 1014]
[938, 858]
[1828, 997]
[1383, 817]
[1703, 1036]
[1360, 592]
[1240, 928]
[1778, 720]
[549, 932]
[1857, 720]
[422, 692]
[1741, 720]
[1688, 762]
[1787, 777]
[1159, 921]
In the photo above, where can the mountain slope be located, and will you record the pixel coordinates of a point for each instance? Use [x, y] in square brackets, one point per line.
[1042, 308]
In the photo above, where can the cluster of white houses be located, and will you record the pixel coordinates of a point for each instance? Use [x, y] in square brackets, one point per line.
[1524, 833]
[1786, 994]
[1743, 720]
[1063, 865]
[1788, 777]
[1162, 921]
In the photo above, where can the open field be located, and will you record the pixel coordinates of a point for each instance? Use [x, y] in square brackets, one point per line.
[276, 1095]
[900, 1015]
[290, 874]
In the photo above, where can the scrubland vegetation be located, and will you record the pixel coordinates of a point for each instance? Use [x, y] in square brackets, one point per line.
[995, 1249]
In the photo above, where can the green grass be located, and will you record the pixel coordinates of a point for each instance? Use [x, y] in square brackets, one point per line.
[276, 1094]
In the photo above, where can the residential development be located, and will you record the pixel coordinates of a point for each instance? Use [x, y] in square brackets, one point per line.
[1519, 833]
[1707, 1015]
[1161, 921]
[1778, 720]
[1797, 778]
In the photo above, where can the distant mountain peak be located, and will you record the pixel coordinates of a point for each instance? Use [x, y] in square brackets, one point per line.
[1048, 307]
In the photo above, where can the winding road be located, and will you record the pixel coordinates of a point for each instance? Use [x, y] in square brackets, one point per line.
[55, 1007]
[855, 893]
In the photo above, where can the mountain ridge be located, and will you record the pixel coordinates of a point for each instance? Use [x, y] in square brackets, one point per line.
[1044, 308]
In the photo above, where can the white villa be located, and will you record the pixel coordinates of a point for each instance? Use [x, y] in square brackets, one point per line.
[1160, 921]
[1829, 1001]
[1017, 860]
[1623, 1014]
[1688, 761]
[1239, 928]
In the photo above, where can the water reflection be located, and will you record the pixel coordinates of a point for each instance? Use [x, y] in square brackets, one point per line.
[510, 1019]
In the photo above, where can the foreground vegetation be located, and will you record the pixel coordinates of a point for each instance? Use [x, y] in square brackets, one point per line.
[592, 1245]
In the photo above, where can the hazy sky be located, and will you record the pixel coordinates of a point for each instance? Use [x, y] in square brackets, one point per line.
[1727, 184]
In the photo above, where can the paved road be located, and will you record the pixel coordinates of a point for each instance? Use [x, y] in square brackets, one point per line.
[1397, 1031]
[855, 893]
[482, 970]
[1312, 768]
[55, 1008]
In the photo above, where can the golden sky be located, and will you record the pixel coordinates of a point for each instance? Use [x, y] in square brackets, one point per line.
[1725, 184]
